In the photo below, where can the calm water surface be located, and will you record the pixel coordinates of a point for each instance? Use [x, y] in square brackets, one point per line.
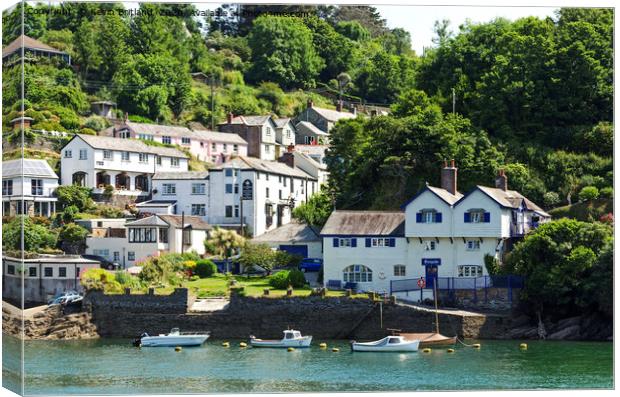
[109, 366]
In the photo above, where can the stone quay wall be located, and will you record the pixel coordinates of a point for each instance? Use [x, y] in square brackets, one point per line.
[128, 316]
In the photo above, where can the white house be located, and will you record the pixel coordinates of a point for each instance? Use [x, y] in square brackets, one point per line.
[29, 183]
[126, 164]
[285, 134]
[139, 239]
[211, 146]
[323, 119]
[276, 188]
[310, 166]
[177, 193]
[445, 234]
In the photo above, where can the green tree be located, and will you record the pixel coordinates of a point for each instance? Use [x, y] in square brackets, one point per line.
[352, 30]
[283, 52]
[588, 193]
[35, 236]
[556, 260]
[224, 243]
[260, 255]
[74, 195]
[72, 238]
[315, 211]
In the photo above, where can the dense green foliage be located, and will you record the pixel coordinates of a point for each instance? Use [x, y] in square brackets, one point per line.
[315, 211]
[73, 195]
[285, 278]
[565, 262]
[36, 236]
[72, 238]
[205, 268]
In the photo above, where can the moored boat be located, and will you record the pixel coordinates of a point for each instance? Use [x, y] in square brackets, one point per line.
[292, 338]
[429, 339]
[388, 344]
[174, 338]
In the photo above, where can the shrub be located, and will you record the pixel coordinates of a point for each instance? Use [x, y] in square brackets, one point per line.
[551, 199]
[193, 278]
[205, 268]
[280, 280]
[96, 279]
[68, 215]
[96, 123]
[296, 278]
[607, 192]
[74, 195]
[88, 131]
[588, 193]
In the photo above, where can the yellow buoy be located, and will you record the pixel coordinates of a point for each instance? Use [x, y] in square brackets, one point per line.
[291, 349]
[450, 350]
[523, 346]
[243, 344]
[177, 349]
[476, 345]
[427, 350]
[226, 344]
[323, 345]
[335, 349]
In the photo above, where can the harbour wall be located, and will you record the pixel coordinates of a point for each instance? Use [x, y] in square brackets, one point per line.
[130, 315]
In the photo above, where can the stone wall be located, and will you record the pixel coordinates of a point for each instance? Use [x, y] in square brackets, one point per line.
[177, 302]
[325, 318]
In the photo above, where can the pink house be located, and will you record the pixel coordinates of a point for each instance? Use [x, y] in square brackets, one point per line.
[210, 146]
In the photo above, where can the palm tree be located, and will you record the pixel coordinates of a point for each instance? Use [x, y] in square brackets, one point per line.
[224, 243]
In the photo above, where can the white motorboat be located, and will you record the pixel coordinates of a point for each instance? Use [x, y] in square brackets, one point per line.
[292, 338]
[387, 344]
[174, 338]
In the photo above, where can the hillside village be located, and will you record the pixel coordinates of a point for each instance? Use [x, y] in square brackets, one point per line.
[383, 189]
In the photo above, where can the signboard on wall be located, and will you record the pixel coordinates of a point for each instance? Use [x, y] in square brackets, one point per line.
[431, 261]
[246, 190]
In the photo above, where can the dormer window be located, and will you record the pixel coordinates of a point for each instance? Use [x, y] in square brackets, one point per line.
[477, 216]
[428, 216]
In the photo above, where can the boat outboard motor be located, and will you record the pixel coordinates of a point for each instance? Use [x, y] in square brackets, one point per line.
[138, 341]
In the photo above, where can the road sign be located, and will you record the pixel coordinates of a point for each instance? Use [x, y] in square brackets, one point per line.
[246, 190]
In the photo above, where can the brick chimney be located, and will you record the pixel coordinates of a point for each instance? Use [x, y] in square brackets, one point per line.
[17, 122]
[339, 106]
[288, 158]
[448, 177]
[290, 148]
[501, 182]
[310, 103]
[229, 117]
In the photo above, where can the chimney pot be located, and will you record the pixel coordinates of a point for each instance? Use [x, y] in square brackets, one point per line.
[290, 148]
[501, 182]
[448, 177]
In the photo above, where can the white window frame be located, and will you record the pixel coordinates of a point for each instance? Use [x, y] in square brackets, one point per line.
[83, 154]
[476, 216]
[198, 188]
[400, 271]
[186, 141]
[68, 154]
[199, 209]
[357, 274]
[379, 242]
[473, 245]
[166, 139]
[125, 156]
[174, 162]
[107, 155]
[168, 189]
[344, 242]
[469, 271]
[143, 158]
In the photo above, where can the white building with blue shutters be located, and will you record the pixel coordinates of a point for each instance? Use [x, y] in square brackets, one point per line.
[439, 233]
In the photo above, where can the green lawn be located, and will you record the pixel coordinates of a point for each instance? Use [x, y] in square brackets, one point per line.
[253, 286]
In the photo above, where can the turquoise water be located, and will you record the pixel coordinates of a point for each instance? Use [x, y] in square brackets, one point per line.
[109, 366]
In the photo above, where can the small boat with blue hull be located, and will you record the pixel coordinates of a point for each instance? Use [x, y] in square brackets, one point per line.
[387, 344]
[174, 338]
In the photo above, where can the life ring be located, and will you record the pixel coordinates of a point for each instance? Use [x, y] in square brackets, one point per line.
[421, 282]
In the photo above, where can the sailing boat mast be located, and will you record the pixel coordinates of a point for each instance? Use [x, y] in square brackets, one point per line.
[436, 310]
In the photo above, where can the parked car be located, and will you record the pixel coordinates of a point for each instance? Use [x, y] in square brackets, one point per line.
[65, 298]
[105, 264]
[311, 264]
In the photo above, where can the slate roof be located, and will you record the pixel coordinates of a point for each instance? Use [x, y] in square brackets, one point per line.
[311, 127]
[333, 115]
[280, 123]
[446, 195]
[226, 137]
[312, 149]
[291, 232]
[32, 167]
[511, 199]
[129, 145]
[271, 167]
[174, 221]
[365, 223]
[195, 222]
[158, 129]
[311, 160]
[181, 175]
[156, 203]
[28, 42]
[249, 120]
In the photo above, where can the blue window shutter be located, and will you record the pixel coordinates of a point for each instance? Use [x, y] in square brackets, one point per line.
[487, 217]
[367, 242]
[438, 217]
[353, 242]
[418, 217]
[335, 242]
[392, 242]
[467, 217]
